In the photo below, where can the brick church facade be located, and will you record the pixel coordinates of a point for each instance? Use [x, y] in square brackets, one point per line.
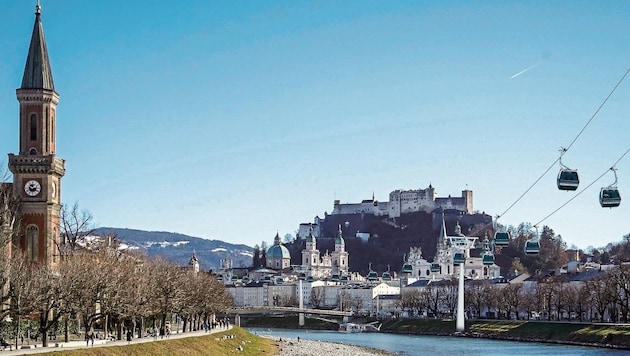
[37, 171]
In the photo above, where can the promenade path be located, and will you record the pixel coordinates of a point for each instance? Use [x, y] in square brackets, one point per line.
[57, 345]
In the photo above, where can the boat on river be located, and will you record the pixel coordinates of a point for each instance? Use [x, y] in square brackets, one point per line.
[360, 328]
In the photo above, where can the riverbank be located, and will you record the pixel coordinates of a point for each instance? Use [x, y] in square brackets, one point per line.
[234, 341]
[597, 335]
[616, 336]
[302, 347]
[218, 342]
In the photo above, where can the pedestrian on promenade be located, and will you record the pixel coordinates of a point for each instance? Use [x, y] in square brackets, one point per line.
[89, 336]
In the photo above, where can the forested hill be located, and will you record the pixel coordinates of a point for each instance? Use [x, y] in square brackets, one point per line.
[179, 248]
[390, 239]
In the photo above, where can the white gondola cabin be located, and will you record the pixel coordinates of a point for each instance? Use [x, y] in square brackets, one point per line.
[487, 259]
[435, 267]
[407, 268]
[568, 179]
[532, 247]
[609, 197]
[501, 239]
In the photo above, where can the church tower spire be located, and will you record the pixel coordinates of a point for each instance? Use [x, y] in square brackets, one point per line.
[36, 170]
[37, 72]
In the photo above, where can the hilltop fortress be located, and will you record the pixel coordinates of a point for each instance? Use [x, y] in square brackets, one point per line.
[380, 232]
[408, 201]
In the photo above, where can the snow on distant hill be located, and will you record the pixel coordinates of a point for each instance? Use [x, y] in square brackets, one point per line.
[179, 248]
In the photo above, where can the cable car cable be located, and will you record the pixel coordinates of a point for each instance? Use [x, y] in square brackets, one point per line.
[564, 151]
[581, 191]
[598, 109]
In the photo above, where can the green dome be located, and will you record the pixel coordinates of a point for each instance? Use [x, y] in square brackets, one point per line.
[277, 250]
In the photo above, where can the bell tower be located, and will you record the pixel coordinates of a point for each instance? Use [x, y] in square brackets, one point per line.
[36, 170]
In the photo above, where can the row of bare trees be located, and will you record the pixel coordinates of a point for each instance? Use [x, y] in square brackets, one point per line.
[605, 297]
[96, 282]
[116, 289]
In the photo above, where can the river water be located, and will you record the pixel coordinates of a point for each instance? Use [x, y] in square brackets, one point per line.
[439, 345]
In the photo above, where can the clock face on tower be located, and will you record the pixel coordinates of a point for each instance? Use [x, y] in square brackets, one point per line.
[32, 188]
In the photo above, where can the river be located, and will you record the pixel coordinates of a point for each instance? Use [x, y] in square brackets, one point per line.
[439, 345]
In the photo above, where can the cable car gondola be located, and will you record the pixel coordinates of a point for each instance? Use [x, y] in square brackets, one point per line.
[435, 267]
[501, 239]
[609, 196]
[487, 259]
[407, 268]
[459, 258]
[568, 178]
[386, 276]
[532, 247]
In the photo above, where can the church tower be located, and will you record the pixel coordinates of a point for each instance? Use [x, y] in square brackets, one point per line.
[310, 254]
[340, 255]
[36, 170]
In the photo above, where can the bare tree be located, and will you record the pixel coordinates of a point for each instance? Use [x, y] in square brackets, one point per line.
[128, 294]
[317, 297]
[87, 278]
[621, 278]
[21, 290]
[166, 294]
[448, 292]
[433, 298]
[476, 296]
[46, 293]
[600, 295]
[75, 226]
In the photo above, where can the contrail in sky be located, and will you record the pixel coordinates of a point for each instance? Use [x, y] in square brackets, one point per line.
[526, 69]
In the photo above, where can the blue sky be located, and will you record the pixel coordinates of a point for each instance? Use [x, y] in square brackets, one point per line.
[232, 120]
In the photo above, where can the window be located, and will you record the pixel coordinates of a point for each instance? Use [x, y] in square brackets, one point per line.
[46, 148]
[56, 252]
[32, 242]
[33, 127]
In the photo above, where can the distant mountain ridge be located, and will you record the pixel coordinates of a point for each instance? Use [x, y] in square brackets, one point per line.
[179, 247]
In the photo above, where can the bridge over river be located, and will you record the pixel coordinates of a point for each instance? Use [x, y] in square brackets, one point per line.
[288, 310]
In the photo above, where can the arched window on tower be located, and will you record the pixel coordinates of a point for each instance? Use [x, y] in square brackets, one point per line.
[32, 243]
[33, 127]
[56, 251]
[46, 148]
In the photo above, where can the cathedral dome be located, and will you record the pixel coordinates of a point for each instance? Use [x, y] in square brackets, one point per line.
[278, 250]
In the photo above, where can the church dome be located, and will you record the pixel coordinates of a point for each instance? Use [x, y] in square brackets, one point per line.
[278, 250]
